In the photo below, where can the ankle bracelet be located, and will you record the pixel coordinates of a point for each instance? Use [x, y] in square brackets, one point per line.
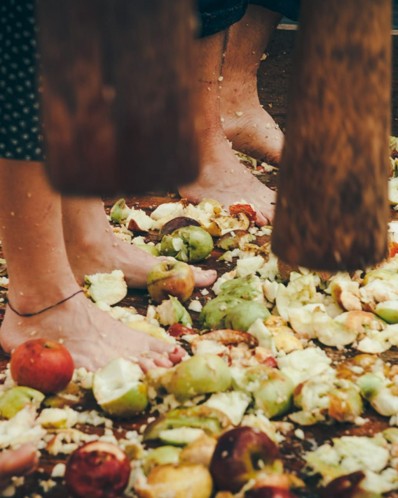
[27, 315]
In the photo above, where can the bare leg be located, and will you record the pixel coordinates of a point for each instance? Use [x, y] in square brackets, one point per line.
[222, 176]
[17, 462]
[92, 247]
[247, 125]
[40, 275]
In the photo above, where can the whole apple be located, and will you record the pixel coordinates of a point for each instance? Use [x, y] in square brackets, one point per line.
[42, 364]
[97, 470]
[240, 455]
[269, 492]
[170, 278]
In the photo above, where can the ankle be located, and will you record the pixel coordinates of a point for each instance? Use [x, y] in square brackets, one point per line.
[28, 302]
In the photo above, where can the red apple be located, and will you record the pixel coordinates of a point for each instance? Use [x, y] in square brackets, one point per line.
[240, 455]
[42, 364]
[269, 492]
[348, 486]
[97, 470]
[170, 278]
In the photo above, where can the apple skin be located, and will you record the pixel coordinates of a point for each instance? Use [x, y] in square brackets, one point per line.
[170, 278]
[269, 492]
[348, 486]
[97, 470]
[42, 364]
[237, 457]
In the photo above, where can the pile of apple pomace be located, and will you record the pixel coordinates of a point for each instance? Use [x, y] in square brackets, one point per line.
[261, 367]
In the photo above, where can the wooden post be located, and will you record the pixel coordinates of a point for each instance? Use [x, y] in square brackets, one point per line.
[117, 79]
[332, 207]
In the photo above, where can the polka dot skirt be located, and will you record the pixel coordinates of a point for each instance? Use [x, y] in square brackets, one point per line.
[20, 128]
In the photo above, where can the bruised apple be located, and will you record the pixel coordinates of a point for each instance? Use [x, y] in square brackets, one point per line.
[97, 470]
[42, 364]
[170, 278]
[242, 454]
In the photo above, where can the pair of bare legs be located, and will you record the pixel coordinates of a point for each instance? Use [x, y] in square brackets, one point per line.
[50, 243]
[227, 65]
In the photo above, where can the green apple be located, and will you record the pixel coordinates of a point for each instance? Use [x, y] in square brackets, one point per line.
[202, 374]
[214, 312]
[244, 314]
[171, 311]
[190, 244]
[170, 278]
[162, 455]
[119, 211]
[388, 311]
[275, 394]
[209, 420]
[119, 388]
[16, 398]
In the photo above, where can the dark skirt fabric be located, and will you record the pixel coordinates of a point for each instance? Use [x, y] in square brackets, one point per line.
[20, 128]
[217, 15]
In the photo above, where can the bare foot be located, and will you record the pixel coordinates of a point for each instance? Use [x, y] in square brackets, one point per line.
[17, 462]
[135, 263]
[92, 246]
[252, 131]
[226, 180]
[92, 336]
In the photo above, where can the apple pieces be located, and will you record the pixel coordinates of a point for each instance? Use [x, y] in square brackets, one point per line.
[42, 364]
[239, 304]
[226, 311]
[201, 374]
[388, 311]
[119, 211]
[347, 486]
[119, 388]
[16, 398]
[199, 451]
[171, 311]
[274, 394]
[210, 420]
[244, 314]
[170, 278]
[161, 455]
[177, 481]
[109, 288]
[97, 470]
[189, 244]
[240, 455]
[176, 223]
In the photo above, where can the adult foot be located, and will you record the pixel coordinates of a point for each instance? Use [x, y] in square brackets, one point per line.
[92, 247]
[17, 462]
[228, 181]
[252, 130]
[91, 335]
[87, 258]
